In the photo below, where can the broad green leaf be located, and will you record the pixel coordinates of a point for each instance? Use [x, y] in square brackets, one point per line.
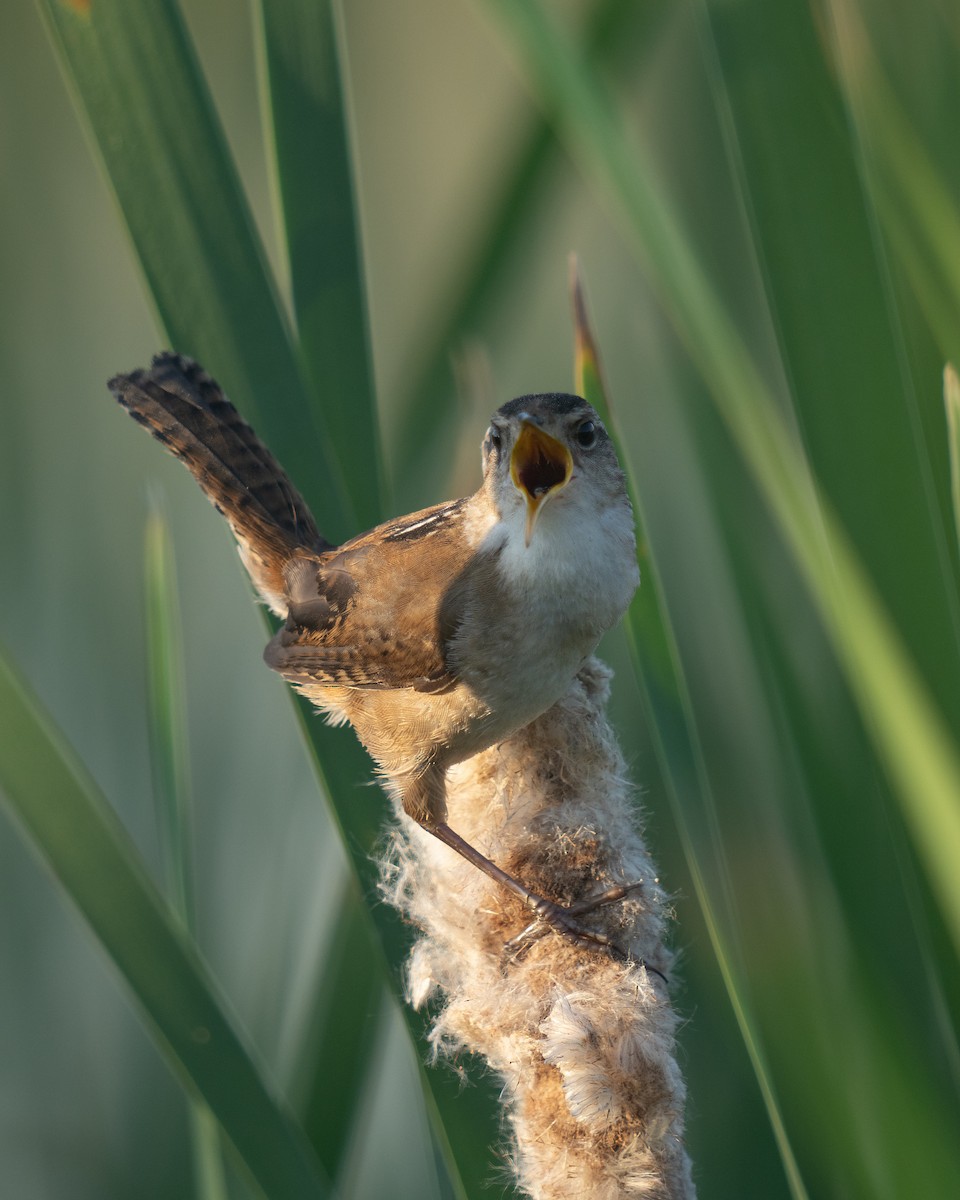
[77, 834]
[308, 131]
[862, 402]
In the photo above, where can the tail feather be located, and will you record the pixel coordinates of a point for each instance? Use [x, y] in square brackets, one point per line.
[185, 410]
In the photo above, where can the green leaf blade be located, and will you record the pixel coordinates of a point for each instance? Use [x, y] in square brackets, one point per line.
[170, 758]
[168, 724]
[308, 127]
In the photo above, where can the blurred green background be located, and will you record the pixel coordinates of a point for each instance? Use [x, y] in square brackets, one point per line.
[808, 151]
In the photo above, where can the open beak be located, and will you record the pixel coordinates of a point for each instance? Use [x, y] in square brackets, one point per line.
[540, 466]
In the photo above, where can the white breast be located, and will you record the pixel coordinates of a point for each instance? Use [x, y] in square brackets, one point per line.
[557, 597]
[580, 569]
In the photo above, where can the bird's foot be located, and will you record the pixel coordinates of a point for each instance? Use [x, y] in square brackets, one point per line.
[562, 919]
[549, 915]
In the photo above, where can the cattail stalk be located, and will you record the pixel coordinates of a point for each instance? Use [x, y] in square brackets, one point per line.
[583, 1041]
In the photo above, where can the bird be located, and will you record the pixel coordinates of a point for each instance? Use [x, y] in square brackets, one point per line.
[438, 634]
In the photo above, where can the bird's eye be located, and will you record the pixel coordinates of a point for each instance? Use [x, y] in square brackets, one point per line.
[493, 438]
[586, 434]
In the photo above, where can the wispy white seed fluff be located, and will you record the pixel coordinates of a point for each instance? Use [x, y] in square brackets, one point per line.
[583, 1042]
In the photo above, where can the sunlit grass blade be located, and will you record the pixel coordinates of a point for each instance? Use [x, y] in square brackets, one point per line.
[169, 756]
[914, 201]
[951, 399]
[209, 1180]
[76, 833]
[135, 75]
[308, 131]
[662, 686]
[925, 278]
[909, 733]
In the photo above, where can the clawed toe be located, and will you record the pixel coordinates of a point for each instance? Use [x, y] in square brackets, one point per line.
[558, 922]
[610, 896]
[562, 920]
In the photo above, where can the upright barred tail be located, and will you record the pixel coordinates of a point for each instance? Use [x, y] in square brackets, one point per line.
[185, 410]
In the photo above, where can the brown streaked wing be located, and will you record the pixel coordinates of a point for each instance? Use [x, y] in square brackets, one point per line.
[379, 612]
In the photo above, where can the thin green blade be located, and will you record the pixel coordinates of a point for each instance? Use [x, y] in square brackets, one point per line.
[170, 758]
[951, 399]
[168, 721]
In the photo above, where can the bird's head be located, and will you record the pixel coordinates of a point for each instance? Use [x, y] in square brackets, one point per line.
[540, 448]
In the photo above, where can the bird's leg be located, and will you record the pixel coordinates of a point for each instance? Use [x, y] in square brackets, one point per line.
[423, 795]
[558, 917]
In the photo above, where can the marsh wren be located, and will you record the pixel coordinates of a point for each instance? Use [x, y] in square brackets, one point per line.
[438, 634]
